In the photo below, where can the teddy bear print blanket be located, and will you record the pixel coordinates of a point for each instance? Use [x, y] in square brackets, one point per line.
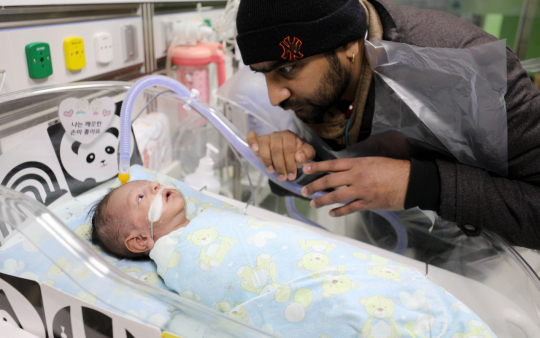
[297, 283]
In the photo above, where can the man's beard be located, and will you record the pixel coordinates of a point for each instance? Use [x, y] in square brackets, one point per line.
[334, 83]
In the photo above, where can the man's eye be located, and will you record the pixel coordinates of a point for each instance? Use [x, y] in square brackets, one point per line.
[286, 70]
[139, 198]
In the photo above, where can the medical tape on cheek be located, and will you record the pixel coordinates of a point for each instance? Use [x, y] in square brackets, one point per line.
[156, 207]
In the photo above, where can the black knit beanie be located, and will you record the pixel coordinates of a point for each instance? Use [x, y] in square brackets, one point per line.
[289, 30]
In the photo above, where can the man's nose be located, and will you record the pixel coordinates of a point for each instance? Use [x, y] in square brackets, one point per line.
[277, 93]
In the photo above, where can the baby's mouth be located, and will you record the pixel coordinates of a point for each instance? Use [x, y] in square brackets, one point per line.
[167, 194]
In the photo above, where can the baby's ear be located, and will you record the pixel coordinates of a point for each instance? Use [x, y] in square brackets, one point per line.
[138, 242]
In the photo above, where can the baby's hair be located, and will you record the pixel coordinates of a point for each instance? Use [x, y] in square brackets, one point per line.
[109, 230]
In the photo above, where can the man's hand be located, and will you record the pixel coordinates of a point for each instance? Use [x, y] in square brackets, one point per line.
[369, 183]
[280, 152]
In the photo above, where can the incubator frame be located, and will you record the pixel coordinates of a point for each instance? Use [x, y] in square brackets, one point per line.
[24, 113]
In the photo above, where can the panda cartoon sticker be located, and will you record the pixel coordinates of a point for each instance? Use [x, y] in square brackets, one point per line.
[85, 165]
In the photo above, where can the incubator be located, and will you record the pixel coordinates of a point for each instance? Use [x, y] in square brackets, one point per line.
[44, 225]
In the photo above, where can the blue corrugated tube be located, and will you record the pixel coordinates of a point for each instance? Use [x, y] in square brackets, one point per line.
[398, 226]
[235, 138]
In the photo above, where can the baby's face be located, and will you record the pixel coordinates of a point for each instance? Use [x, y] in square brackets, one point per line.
[133, 199]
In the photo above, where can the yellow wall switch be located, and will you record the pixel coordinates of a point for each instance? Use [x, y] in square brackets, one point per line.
[74, 53]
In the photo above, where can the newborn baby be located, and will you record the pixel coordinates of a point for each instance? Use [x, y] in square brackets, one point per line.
[278, 277]
[131, 218]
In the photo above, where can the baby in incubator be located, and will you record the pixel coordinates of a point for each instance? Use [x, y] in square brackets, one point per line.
[131, 218]
[279, 277]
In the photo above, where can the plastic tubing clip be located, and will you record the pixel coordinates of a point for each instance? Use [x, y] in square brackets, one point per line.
[192, 96]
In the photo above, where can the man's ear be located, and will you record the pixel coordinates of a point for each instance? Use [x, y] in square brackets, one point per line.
[353, 47]
[139, 242]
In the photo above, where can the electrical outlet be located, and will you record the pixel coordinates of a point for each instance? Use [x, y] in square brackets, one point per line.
[74, 53]
[129, 39]
[38, 58]
[103, 47]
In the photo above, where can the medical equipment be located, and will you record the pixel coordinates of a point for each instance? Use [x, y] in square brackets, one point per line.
[192, 66]
[186, 33]
[203, 177]
[38, 59]
[154, 140]
[488, 276]
[227, 22]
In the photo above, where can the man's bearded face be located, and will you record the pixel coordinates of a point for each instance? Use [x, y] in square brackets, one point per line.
[335, 81]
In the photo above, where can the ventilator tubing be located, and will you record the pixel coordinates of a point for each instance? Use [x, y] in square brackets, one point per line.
[235, 138]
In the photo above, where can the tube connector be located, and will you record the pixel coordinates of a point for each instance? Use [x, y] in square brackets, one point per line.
[192, 96]
[123, 178]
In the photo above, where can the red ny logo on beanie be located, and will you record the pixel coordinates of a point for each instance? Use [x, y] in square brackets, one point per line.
[291, 50]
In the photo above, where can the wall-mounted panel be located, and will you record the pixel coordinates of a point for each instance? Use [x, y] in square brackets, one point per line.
[14, 61]
[75, 2]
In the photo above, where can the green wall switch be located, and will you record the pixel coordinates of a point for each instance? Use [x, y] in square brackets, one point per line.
[38, 57]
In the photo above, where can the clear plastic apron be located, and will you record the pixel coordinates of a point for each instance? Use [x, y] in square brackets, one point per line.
[429, 103]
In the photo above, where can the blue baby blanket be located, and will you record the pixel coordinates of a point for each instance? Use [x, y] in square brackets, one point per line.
[297, 283]
[47, 262]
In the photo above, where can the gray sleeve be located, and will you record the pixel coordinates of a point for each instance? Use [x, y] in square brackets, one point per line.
[474, 199]
[509, 206]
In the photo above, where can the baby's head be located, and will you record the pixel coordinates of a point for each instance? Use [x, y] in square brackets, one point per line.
[120, 223]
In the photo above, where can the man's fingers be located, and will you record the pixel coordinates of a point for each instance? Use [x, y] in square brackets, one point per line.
[349, 208]
[289, 150]
[328, 166]
[264, 151]
[280, 152]
[304, 153]
[338, 196]
[335, 180]
[276, 148]
[253, 141]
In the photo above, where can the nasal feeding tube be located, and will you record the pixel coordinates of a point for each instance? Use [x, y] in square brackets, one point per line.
[156, 207]
[227, 129]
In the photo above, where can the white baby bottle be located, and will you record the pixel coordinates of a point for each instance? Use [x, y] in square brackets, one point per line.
[204, 174]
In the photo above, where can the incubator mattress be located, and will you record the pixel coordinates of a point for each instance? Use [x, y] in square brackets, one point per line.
[295, 282]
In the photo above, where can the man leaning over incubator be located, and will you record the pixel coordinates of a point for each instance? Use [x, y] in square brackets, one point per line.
[312, 56]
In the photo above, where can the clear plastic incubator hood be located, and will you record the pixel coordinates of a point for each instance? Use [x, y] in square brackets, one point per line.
[54, 283]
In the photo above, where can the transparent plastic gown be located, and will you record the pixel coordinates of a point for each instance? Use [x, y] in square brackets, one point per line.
[448, 102]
